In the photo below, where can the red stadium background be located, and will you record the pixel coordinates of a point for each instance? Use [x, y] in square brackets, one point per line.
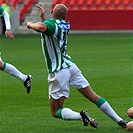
[101, 19]
[86, 14]
[99, 14]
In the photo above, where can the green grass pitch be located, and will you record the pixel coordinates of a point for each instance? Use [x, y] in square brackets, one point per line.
[105, 60]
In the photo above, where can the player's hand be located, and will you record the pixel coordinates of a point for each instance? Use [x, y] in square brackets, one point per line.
[29, 24]
[9, 34]
[40, 7]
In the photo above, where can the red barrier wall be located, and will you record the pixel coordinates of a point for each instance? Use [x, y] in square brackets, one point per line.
[101, 19]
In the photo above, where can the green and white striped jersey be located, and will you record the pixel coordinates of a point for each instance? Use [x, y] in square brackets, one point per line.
[1, 10]
[54, 44]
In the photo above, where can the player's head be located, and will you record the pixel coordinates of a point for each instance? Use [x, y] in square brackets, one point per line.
[59, 11]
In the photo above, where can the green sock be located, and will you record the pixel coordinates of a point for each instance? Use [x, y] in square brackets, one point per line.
[100, 102]
[3, 67]
[58, 113]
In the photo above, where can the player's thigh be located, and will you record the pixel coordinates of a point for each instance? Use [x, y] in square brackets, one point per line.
[83, 86]
[77, 79]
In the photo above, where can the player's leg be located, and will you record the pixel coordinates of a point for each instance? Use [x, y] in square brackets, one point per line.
[55, 105]
[103, 105]
[129, 126]
[130, 112]
[78, 81]
[10, 69]
[58, 111]
[58, 91]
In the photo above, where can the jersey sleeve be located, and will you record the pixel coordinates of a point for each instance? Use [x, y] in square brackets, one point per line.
[50, 27]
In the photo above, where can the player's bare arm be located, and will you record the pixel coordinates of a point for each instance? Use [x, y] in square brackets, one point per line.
[42, 11]
[38, 26]
[9, 34]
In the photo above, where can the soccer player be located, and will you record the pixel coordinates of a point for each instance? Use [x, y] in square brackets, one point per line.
[8, 68]
[62, 71]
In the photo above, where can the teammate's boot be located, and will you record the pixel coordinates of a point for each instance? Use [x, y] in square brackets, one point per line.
[27, 83]
[86, 119]
[122, 123]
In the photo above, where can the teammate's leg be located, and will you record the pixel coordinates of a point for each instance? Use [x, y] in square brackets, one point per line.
[10, 69]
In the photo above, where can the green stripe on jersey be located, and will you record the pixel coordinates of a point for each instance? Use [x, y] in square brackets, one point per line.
[54, 42]
[45, 51]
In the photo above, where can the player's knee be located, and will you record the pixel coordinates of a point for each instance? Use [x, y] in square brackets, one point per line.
[53, 114]
[130, 112]
[1, 64]
[129, 126]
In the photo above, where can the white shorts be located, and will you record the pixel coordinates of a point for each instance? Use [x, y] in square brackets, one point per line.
[59, 81]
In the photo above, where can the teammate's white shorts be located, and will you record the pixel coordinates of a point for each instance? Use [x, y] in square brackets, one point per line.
[59, 81]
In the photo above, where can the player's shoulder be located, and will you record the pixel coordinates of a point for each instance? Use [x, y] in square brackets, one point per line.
[56, 21]
[62, 21]
[50, 21]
